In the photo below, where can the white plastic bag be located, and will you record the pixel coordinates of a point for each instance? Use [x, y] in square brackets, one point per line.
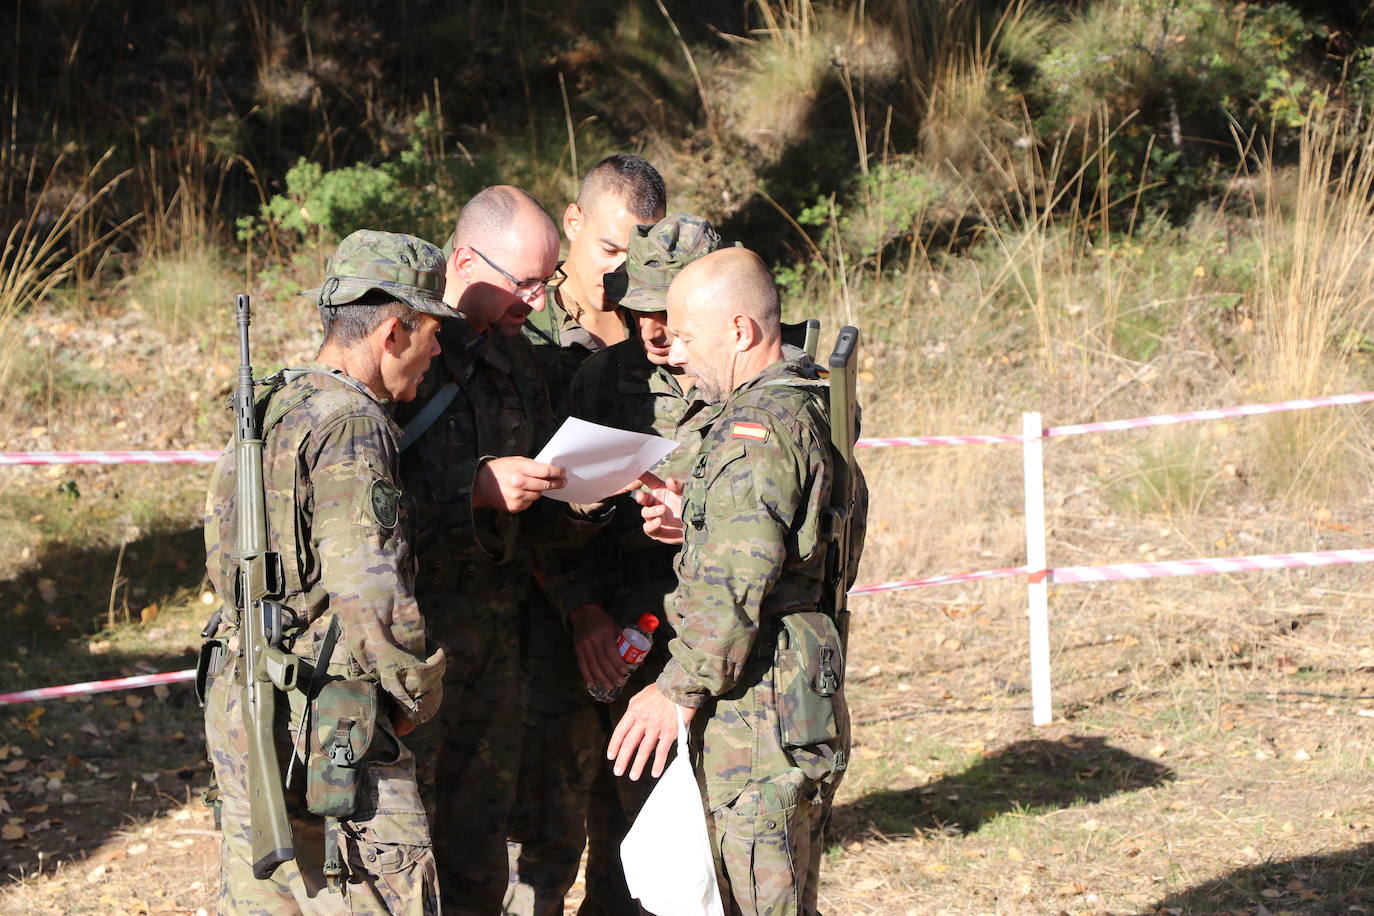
[667, 853]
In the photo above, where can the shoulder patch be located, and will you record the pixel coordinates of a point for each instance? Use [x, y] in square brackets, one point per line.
[384, 499]
[755, 431]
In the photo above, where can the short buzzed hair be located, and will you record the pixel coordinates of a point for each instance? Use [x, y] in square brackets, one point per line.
[630, 178]
[489, 214]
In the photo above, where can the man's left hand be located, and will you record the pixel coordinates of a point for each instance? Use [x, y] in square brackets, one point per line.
[648, 728]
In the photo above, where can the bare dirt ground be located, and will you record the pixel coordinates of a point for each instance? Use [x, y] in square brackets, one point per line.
[1198, 763]
[1210, 751]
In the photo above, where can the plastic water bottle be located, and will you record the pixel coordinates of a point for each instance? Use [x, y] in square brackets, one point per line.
[634, 643]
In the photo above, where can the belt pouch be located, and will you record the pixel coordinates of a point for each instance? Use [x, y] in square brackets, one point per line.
[343, 719]
[808, 672]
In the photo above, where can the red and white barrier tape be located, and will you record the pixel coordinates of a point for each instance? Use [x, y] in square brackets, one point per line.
[1220, 413]
[1064, 574]
[893, 441]
[201, 456]
[1161, 569]
[904, 584]
[1164, 419]
[185, 456]
[121, 683]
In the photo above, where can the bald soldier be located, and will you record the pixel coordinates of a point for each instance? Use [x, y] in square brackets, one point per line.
[481, 412]
[756, 665]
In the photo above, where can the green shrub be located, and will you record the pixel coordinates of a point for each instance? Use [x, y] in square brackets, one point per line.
[419, 192]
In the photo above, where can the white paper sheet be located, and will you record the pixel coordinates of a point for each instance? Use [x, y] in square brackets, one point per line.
[600, 460]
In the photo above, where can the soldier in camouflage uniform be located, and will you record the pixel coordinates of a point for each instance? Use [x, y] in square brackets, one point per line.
[482, 409]
[564, 737]
[337, 518]
[756, 663]
[632, 386]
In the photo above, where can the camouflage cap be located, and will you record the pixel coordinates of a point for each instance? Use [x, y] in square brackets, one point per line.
[408, 269]
[655, 254]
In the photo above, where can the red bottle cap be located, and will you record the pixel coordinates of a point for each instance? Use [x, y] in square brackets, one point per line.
[647, 622]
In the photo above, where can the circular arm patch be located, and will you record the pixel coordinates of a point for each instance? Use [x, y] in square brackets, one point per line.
[385, 503]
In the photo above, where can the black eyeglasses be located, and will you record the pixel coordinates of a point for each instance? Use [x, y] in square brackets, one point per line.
[524, 289]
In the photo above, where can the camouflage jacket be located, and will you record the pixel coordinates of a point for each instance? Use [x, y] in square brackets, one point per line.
[560, 343]
[337, 518]
[619, 387]
[751, 509]
[501, 409]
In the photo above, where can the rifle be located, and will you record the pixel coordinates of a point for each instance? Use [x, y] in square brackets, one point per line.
[838, 518]
[804, 335]
[262, 622]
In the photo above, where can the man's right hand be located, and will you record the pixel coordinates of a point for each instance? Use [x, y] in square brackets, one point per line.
[661, 507]
[594, 641]
[513, 484]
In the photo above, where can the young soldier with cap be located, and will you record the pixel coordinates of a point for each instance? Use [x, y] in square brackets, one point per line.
[563, 738]
[337, 518]
[632, 386]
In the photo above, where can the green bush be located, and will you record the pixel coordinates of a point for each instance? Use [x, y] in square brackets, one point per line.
[1176, 74]
[419, 192]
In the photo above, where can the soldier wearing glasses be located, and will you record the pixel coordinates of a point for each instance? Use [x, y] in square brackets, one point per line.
[481, 410]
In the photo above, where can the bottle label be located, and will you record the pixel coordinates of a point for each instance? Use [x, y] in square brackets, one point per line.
[632, 654]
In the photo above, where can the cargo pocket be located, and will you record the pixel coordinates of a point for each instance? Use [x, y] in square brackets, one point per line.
[343, 719]
[388, 876]
[809, 671]
[759, 844]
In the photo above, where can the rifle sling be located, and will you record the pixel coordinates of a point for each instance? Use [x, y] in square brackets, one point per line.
[317, 676]
[428, 414]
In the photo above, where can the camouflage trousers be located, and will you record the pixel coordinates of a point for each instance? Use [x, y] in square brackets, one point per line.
[468, 755]
[562, 743]
[773, 754]
[385, 847]
[615, 803]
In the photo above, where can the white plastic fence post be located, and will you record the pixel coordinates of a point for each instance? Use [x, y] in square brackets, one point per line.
[1038, 587]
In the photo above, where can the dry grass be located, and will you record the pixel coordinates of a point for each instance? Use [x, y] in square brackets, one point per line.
[45, 247]
[1317, 266]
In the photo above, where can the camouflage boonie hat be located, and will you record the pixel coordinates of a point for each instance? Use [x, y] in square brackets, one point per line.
[403, 267]
[655, 254]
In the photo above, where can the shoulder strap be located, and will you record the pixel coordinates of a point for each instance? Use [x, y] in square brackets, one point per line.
[427, 415]
[797, 383]
[279, 379]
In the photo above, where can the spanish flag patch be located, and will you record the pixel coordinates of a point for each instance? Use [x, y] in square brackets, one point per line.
[756, 431]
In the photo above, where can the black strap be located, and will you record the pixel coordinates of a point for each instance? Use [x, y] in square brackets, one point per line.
[433, 409]
[317, 676]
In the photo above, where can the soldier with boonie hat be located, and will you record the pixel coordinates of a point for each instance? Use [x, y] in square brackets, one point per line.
[631, 386]
[338, 520]
[655, 254]
[396, 266]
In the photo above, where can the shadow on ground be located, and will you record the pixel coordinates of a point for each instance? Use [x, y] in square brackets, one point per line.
[1025, 777]
[66, 592]
[1338, 882]
[75, 772]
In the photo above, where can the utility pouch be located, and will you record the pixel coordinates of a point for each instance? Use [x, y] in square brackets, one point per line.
[343, 720]
[209, 664]
[808, 671]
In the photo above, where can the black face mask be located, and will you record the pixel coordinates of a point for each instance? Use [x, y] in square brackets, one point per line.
[616, 284]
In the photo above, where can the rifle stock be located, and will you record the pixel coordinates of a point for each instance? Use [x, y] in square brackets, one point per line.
[843, 366]
[265, 667]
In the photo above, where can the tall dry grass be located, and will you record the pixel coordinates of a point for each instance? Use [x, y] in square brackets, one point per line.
[1313, 296]
[44, 248]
